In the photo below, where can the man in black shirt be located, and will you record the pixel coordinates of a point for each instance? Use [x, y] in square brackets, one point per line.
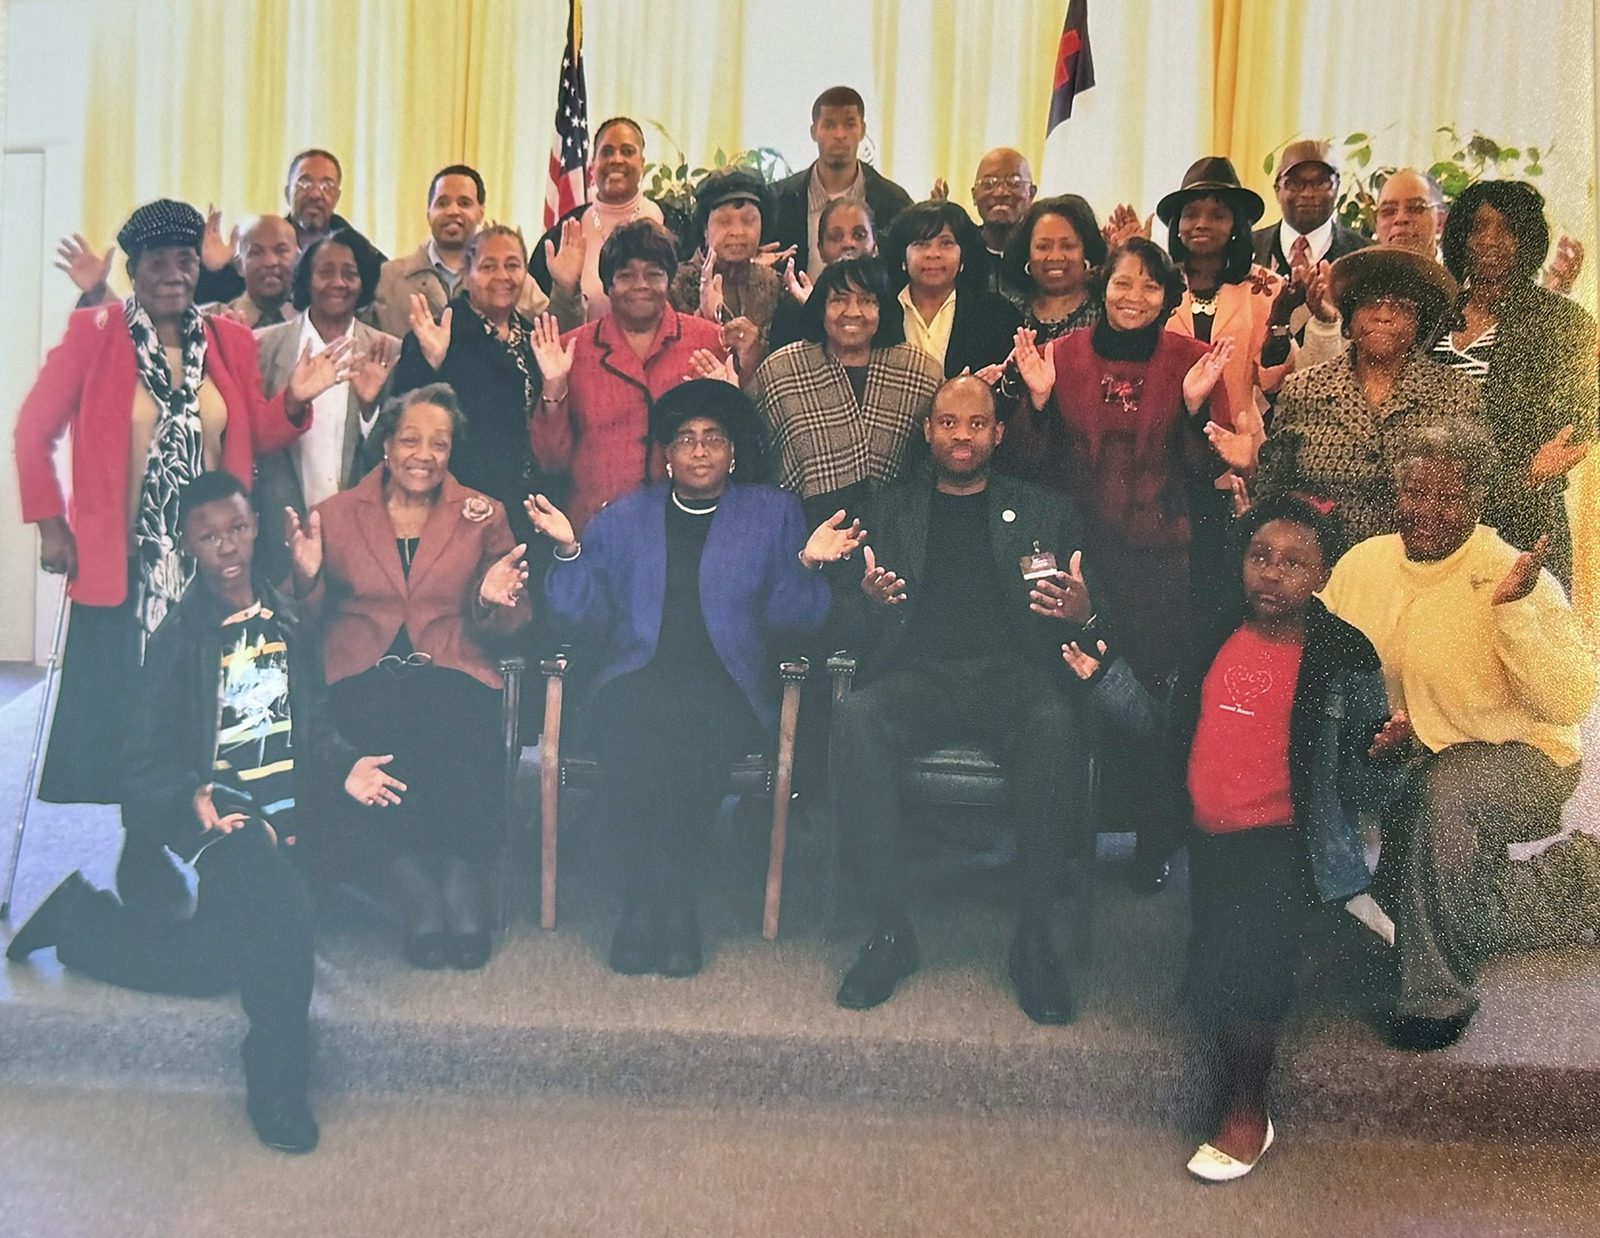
[227, 737]
[961, 615]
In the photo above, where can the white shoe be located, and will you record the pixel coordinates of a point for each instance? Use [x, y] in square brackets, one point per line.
[1214, 1165]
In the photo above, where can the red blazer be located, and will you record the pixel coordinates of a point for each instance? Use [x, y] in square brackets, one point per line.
[601, 432]
[364, 595]
[87, 385]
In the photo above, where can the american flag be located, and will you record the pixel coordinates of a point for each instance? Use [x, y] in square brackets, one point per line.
[569, 144]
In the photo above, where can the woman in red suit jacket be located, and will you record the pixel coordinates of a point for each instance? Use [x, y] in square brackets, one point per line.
[601, 380]
[138, 434]
[414, 577]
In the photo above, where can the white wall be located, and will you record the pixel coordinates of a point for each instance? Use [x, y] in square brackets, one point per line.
[46, 80]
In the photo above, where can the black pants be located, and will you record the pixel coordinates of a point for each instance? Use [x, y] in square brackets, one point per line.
[666, 742]
[1020, 714]
[443, 727]
[252, 929]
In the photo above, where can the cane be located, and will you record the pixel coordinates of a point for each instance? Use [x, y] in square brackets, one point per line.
[50, 668]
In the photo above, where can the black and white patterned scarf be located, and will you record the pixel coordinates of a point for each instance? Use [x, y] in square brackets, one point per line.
[177, 457]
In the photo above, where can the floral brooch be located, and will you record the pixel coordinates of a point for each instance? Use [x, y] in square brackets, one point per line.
[476, 508]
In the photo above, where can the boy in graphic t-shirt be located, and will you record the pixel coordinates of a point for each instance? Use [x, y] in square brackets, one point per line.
[1287, 726]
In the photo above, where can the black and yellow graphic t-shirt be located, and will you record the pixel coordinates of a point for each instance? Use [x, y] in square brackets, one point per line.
[255, 757]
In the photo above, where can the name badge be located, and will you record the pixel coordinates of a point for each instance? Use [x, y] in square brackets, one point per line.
[1039, 564]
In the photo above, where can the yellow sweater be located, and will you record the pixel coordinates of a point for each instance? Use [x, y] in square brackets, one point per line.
[1466, 670]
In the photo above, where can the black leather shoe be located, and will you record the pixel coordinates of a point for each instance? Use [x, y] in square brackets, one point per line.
[887, 958]
[633, 948]
[429, 951]
[1423, 1035]
[470, 951]
[1042, 988]
[286, 1126]
[43, 928]
[681, 950]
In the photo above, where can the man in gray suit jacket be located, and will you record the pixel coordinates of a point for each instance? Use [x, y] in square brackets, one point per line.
[960, 619]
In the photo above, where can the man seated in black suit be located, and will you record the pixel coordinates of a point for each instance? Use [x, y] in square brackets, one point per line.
[960, 618]
[1307, 186]
[838, 127]
[228, 735]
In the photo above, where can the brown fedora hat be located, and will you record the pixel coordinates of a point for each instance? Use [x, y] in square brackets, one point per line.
[1213, 175]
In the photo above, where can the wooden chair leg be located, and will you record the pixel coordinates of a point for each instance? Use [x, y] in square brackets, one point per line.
[510, 706]
[794, 674]
[549, 787]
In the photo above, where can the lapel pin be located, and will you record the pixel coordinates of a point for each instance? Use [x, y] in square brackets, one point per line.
[1008, 516]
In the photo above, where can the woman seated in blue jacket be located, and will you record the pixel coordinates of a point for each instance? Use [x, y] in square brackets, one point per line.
[683, 586]
[1283, 726]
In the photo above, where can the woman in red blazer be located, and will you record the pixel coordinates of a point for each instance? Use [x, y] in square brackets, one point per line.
[414, 577]
[601, 380]
[138, 434]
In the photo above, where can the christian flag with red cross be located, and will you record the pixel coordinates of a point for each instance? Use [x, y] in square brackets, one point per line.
[1074, 64]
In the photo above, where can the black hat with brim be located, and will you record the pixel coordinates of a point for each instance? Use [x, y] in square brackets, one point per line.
[1212, 176]
[722, 402]
[160, 223]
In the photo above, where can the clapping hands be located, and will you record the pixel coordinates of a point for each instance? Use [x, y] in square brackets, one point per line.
[433, 338]
[833, 540]
[553, 523]
[1064, 596]
[503, 584]
[880, 584]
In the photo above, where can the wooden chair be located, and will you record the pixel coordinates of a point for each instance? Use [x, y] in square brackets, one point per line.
[966, 776]
[757, 774]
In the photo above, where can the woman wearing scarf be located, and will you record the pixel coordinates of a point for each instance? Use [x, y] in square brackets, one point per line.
[482, 347]
[154, 395]
[1121, 417]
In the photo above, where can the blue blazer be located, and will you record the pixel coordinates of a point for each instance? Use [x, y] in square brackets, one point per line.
[751, 584]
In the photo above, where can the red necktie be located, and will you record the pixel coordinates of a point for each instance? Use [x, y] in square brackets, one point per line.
[1299, 253]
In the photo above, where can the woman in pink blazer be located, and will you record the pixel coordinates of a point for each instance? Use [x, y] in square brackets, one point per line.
[1208, 235]
[153, 393]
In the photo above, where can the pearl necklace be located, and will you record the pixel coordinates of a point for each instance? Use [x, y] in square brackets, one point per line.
[692, 511]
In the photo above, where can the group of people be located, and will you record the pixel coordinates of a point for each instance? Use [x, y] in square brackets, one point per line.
[1063, 490]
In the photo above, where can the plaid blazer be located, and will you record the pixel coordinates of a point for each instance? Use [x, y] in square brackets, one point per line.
[821, 439]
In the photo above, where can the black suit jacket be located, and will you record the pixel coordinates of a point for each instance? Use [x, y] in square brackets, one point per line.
[1020, 514]
[791, 215]
[983, 332]
[1269, 253]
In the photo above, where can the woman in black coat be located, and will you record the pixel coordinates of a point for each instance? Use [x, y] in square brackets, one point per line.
[1534, 351]
[933, 251]
[480, 346]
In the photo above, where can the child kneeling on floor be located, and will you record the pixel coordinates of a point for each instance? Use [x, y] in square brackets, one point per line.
[1285, 730]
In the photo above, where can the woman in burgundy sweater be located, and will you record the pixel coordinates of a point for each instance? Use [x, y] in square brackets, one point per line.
[1124, 416]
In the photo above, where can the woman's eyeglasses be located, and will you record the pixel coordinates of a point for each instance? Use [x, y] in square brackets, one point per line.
[396, 665]
[711, 441]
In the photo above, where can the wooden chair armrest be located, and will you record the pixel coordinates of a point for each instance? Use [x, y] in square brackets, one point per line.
[842, 670]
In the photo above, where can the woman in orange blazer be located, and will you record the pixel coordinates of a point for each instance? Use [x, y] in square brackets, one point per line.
[415, 578]
[154, 393]
[1208, 235]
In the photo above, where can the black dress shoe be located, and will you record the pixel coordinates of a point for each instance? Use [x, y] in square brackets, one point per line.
[1042, 988]
[888, 957]
[470, 951]
[429, 951]
[43, 928]
[286, 1126]
[681, 951]
[633, 948]
[1418, 1034]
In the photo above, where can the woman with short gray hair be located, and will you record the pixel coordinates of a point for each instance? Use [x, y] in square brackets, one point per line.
[1481, 648]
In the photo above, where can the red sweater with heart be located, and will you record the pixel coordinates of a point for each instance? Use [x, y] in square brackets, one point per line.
[1239, 764]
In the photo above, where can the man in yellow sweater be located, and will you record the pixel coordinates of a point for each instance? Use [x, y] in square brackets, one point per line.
[1481, 648]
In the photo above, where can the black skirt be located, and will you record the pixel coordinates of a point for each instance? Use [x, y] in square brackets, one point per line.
[1250, 896]
[99, 677]
[443, 728]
